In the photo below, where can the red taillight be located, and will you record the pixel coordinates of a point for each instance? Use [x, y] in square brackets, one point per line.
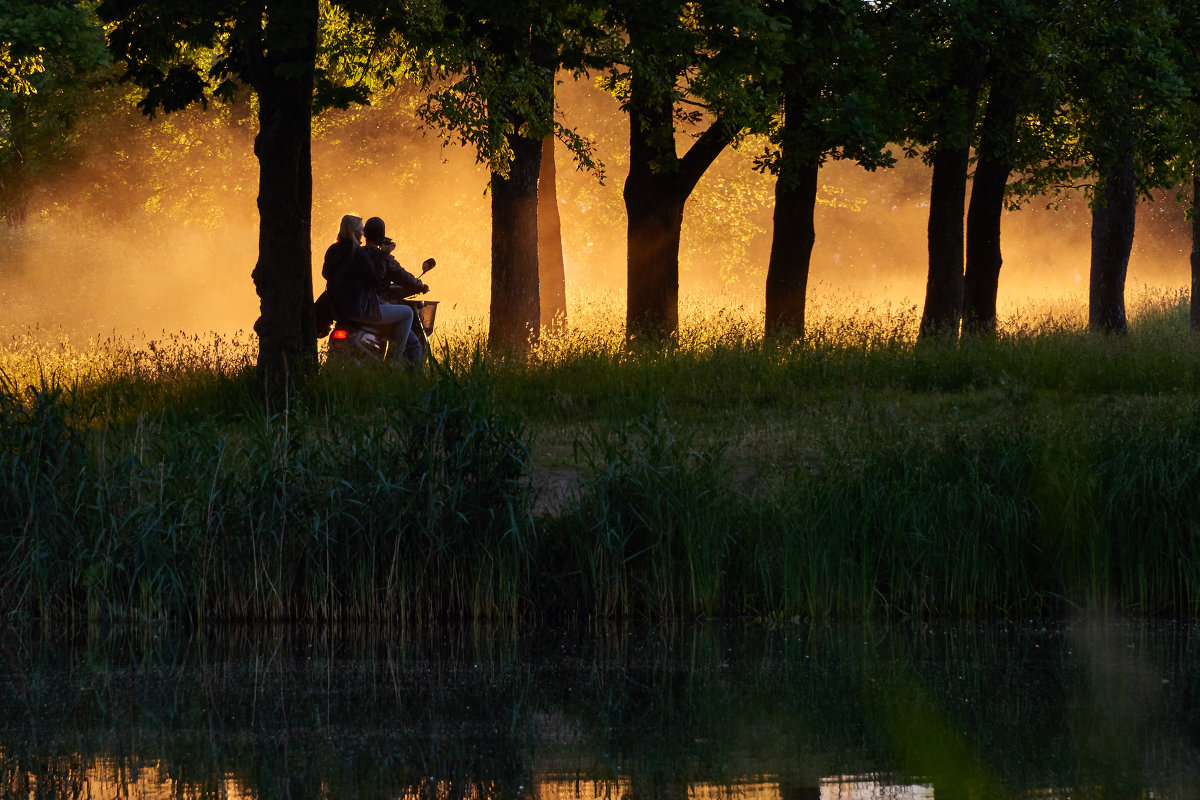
[339, 333]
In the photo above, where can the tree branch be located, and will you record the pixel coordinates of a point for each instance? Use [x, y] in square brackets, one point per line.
[704, 151]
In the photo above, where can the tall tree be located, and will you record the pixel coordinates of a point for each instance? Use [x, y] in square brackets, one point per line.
[984, 257]
[827, 92]
[944, 47]
[270, 46]
[793, 231]
[496, 63]
[1125, 90]
[515, 312]
[1114, 210]
[679, 57]
[1018, 49]
[1187, 57]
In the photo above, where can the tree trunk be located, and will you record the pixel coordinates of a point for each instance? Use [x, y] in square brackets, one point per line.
[553, 281]
[793, 230]
[1113, 216]
[955, 111]
[984, 257]
[981, 282]
[655, 192]
[286, 328]
[515, 313]
[655, 212]
[944, 286]
[1195, 302]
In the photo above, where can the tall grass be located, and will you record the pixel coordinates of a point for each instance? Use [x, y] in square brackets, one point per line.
[412, 511]
[651, 524]
[854, 473]
[861, 473]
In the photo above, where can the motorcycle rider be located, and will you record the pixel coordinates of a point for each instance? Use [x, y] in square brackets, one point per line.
[353, 280]
[379, 249]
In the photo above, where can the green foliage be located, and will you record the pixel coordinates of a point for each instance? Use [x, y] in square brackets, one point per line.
[698, 61]
[1185, 44]
[184, 53]
[934, 67]
[45, 46]
[491, 70]
[51, 55]
[828, 72]
[300, 514]
[1117, 81]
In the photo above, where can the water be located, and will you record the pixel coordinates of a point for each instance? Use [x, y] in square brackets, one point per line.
[757, 711]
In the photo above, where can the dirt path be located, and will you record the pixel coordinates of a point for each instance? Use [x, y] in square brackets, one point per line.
[552, 488]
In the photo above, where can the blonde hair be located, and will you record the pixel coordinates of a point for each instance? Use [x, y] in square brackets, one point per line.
[351, 229]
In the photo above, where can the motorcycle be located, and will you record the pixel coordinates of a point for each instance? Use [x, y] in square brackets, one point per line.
[367, 341]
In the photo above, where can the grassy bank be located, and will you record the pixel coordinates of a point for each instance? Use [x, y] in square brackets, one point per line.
[854, 474]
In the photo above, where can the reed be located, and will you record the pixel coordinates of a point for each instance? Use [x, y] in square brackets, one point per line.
[854, 473]
[651, 526]
[413, 510]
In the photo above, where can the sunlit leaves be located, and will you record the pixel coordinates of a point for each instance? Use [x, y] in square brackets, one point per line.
[360, 53]
[16, 71]
[182, 53]
[698, 57]
[43, 42]
[490, 69]
[49, 51]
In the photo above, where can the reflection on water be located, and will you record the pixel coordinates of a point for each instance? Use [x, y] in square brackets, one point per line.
[149, 782]
[779, 712]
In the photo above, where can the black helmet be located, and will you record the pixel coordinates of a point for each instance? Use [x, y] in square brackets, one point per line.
[373, 229]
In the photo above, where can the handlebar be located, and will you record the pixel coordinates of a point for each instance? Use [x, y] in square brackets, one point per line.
[395, 293]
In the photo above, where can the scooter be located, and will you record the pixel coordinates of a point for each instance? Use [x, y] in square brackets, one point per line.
[369, 342]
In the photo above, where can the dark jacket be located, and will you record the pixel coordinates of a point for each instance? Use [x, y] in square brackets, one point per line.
[351, 281]
[391, 272]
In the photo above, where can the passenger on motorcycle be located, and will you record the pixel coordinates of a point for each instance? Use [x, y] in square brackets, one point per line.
[353, 281]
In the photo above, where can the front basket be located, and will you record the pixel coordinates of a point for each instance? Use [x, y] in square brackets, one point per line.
[428, 311]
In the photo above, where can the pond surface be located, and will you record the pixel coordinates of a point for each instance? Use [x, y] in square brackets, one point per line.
[778, 712]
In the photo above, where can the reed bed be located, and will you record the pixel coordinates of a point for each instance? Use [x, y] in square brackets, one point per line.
[128, 500]
[854, 473]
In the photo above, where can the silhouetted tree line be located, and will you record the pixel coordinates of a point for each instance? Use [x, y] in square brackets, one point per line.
[1005, 100]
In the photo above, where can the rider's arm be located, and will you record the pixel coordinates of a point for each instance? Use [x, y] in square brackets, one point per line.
[398, 275]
